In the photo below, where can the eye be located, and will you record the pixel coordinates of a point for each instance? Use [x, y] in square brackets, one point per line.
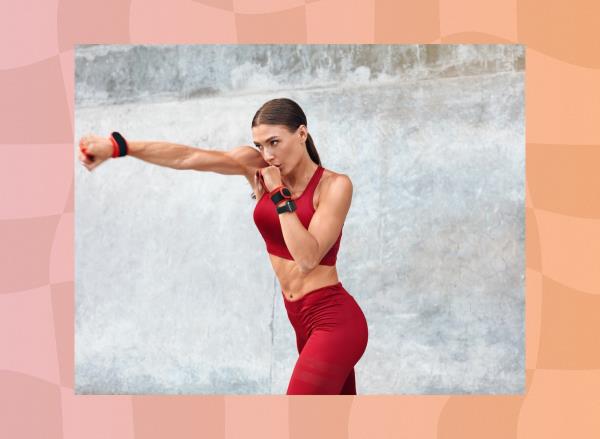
[273, 141]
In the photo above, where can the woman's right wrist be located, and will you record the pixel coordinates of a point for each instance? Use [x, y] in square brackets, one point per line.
[120, 145]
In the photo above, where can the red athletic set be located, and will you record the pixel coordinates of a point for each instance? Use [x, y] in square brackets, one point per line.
[331, 329]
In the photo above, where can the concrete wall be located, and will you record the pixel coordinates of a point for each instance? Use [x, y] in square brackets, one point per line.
[174, 289]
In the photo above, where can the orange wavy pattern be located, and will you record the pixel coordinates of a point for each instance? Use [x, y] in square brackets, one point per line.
[562, 396]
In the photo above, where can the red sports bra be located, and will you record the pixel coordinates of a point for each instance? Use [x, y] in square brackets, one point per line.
[266, 219]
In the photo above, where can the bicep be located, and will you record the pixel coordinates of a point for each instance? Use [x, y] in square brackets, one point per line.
[328, 220]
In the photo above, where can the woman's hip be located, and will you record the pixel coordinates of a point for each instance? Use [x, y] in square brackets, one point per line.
[329, 307]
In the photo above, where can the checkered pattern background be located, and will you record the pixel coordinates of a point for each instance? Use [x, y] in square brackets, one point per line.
[37, 151]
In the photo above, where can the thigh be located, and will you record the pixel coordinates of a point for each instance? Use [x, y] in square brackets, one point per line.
[316, 371]
[326, 363]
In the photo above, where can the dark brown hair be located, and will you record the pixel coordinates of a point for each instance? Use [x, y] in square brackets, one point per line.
[284, 111]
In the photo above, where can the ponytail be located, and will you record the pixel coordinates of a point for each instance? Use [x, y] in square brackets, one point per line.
[312, 151]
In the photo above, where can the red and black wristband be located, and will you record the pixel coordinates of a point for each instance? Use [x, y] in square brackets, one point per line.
[120, 147]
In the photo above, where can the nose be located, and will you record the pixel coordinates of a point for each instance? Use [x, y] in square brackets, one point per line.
[268, 157]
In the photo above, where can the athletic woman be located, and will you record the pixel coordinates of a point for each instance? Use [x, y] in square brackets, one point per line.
[300, 213]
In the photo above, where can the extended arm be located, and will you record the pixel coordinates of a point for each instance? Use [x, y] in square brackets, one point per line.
[234, 162]
[243, 160]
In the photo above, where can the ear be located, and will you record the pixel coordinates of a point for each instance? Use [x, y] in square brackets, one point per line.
[303, 132]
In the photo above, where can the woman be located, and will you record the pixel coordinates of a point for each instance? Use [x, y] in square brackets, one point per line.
[300, 213]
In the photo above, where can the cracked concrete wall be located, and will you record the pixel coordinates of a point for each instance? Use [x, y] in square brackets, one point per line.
[174, 290]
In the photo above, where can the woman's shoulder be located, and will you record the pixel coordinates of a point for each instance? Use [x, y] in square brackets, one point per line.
[330, 177]
[334, 183]
[251, 160]
[248, 157]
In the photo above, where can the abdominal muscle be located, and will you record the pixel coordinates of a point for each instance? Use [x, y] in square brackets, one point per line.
[296, 284]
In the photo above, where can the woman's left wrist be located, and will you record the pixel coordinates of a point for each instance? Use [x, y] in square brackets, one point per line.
[279, 195]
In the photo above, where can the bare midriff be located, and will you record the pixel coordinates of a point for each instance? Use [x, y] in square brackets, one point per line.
[296, 284]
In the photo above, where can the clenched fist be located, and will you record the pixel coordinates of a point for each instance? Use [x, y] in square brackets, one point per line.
[271, 177]
[94, 150]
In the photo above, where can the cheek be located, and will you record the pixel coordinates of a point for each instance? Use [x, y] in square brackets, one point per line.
[292, 151]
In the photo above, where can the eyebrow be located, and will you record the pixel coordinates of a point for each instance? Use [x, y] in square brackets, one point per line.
[266, 141]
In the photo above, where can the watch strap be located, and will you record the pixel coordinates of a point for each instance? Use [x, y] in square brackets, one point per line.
[289, 206]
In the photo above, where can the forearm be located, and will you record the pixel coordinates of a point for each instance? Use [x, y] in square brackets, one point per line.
[303, 247]
[159, 153]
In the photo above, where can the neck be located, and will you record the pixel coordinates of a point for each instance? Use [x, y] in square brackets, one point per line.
[300, 175]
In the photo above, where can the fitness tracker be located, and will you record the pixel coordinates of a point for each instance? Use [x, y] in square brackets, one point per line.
[280, 193]
[289, 206]
[119, 144]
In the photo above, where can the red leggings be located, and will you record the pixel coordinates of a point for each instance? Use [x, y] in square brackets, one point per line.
[331, 335]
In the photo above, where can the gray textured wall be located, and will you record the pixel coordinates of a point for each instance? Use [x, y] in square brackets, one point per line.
[174, 289]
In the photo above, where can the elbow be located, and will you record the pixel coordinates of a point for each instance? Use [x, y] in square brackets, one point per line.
[186, 162]
[179, 165]
[310, 261]
[307, 266]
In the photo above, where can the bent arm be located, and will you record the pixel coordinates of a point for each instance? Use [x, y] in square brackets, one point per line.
[308, 247]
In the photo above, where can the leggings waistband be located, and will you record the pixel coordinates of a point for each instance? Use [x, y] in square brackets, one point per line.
[312, 297]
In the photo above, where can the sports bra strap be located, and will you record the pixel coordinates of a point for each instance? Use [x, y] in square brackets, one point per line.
[312, 184]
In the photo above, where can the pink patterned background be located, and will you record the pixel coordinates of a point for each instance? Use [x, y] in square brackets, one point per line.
[37, 144]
